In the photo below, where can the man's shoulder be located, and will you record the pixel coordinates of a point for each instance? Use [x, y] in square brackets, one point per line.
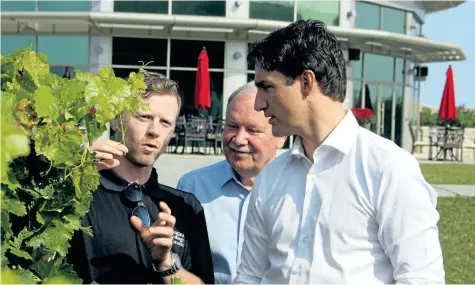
[276, 169]
[384, 153]
[206, 171]
[202, 175]
[180, 197]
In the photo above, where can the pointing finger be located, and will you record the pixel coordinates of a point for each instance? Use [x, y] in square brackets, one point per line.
[140, 227]
[164, 208]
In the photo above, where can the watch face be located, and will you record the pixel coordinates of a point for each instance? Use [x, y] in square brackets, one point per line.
[177, 261]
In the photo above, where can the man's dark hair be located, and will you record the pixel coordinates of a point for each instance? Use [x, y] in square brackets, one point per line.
[304, 45]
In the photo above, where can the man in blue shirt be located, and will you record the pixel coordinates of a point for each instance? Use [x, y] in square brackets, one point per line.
[223, 188]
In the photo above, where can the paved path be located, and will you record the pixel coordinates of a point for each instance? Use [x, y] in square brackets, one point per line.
[455, 190]
[171, 167]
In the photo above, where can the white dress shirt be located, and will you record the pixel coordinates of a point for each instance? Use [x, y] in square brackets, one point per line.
[361, 213]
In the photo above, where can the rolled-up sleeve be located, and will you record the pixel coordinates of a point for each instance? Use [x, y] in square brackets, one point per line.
[254, 258]
[408, 218]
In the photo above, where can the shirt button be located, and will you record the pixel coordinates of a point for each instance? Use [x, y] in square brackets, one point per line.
[305, 239]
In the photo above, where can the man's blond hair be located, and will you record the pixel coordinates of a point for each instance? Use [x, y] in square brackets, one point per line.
[158, 83]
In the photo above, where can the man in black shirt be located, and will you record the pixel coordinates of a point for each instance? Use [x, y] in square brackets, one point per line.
[144, 232]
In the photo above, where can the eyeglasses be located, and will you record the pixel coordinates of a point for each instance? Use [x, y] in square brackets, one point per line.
[133, 193]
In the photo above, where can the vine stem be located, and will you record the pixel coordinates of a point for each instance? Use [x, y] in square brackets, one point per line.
[83, 159]
[122, 129]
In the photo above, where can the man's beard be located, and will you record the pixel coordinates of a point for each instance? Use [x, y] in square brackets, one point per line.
[134, 161]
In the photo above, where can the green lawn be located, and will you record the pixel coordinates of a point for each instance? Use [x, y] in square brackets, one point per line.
[449, 173]
[457, 236]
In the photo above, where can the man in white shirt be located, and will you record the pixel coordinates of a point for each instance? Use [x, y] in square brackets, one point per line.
[344, 204]
[223, 188]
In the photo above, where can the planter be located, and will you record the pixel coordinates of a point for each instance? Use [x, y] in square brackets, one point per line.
[367, 126]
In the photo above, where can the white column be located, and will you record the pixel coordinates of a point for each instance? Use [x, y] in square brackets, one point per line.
[347, 20]
[235, 64]
[406, 142]
[235, 74]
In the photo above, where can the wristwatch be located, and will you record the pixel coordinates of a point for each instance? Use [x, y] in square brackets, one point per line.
[172, 270]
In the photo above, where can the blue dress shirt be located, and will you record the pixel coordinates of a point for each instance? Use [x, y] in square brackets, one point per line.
[225, 202]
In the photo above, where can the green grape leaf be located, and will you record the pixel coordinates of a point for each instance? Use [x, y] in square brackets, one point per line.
[20, 253]
[11, 204]
[56, 272]
[6, 226]
[54, 238]
[94, 128]
[14, 142]
[18, 276]
[35, 64]
[46, 104]
[106, 72]
[39, 218]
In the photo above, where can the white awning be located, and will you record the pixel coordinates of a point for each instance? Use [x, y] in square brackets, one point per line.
[416, 49]
[438, 5]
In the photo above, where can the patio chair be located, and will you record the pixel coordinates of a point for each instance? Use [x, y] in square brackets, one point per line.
[418, 143]
[195, 132]
[214, 137]
[452, 140]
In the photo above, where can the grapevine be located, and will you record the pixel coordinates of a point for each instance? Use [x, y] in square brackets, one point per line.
[47, 173]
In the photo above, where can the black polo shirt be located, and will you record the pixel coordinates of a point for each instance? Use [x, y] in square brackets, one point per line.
[117, 254]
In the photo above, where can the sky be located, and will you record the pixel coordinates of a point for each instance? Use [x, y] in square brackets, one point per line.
[455, 26]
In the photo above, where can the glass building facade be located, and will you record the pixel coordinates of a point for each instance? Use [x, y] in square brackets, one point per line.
[382, 76]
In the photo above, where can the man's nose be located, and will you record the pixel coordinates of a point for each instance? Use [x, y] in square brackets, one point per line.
[241, 137]
[154, 129]
[259, 103]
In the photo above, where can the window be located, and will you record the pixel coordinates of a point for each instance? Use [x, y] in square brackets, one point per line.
[63, 5]
[201, 8]
[65, 50]
[394, 20]
[186, 81]
[416, 28]
[282, 10]
[18, 5]
[131, 51]
[367, 16]
[378, 68]
[12, 43]
[158, 7]
[325, 11]
[184, 53]
[399, 70]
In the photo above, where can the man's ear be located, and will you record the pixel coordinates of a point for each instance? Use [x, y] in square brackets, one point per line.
[308, 82]
[281, 142]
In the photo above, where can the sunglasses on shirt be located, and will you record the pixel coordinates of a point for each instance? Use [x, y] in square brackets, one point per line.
[133, 192]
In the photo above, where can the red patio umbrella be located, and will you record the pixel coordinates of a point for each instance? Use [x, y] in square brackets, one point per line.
[447, 109]
[202, 89]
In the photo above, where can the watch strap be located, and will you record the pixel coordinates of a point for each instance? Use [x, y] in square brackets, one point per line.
[172, 270]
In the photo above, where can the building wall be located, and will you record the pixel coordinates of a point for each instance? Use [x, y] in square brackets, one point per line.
[176, 57]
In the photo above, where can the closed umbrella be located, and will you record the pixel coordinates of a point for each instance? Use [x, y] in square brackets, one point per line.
[202, 87]
[447, 109]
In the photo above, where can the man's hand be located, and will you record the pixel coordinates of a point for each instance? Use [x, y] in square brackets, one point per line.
[158, 238]
[108, 152]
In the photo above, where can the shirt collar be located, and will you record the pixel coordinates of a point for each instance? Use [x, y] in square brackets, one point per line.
[112, 181]
[228, 174]
[341, 138]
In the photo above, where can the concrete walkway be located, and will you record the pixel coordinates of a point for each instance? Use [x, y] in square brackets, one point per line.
[172, 167]
[455, 190]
